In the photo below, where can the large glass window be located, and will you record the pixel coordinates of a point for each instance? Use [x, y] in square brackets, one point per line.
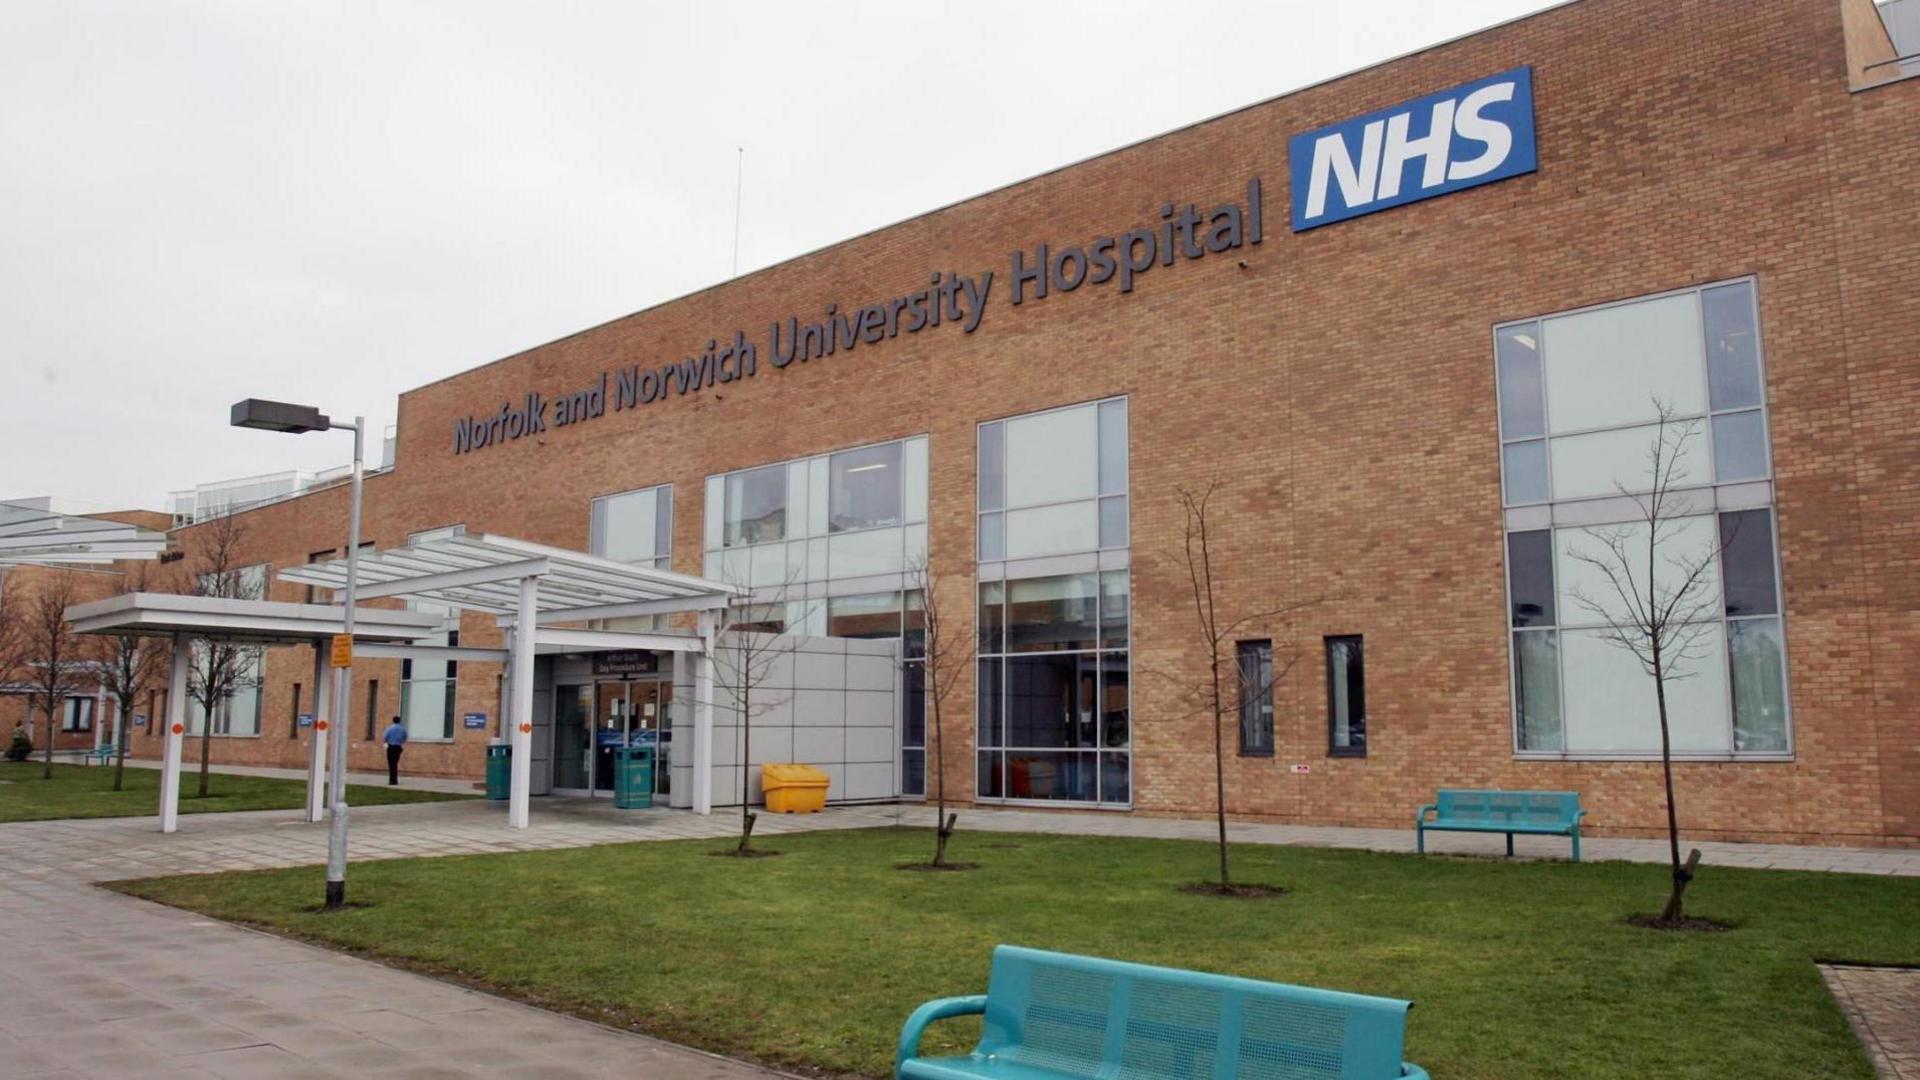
[1054, 483]
[237, 713]
[634, 527]
[864, 488]
[1054, 689]
[756, 506]
[1579, 401]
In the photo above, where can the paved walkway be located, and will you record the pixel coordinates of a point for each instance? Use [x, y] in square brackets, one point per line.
[95, 984]
[1883, 1005]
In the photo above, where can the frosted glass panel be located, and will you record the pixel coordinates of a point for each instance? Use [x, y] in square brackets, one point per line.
[800, 499]
[715, 509]
[1603, 367]
[915, 476]
[1053, 530]
[874, 551]
[915, 552]
[778, 564]
[817, 496]
[1740, 446]
[1053, 457]
[1610, 698]
[1526, 470]
[628, 528]
[1688, 538]
[1604, 461]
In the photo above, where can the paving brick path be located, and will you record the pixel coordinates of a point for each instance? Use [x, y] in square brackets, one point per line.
[1883, 1005]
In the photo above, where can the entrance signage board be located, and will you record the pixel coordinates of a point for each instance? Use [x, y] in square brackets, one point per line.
[626, 662]
[306, 719]
[1118, 260]
[474, 721]
[1473, 134]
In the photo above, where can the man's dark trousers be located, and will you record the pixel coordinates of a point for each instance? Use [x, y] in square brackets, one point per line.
[393, 763]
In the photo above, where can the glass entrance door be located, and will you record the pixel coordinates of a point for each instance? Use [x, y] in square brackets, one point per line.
[630, 714]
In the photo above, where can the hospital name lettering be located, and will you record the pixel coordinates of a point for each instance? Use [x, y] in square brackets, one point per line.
[1184, 232]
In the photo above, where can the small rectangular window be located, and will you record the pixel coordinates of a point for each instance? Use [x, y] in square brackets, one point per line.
[1522, 408]
[993, 617]
[1530, 577]
[1346, 697]
[993, 466]
[1113, 447]
[1256, 698]
[79, 715]
[1526, 471]
[1746, 563]
[373, 705]
[1739, 446]
[293, 718]
[1733, 347]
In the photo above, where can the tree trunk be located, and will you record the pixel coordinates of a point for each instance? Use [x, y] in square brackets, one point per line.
[943, 832]
[120, 744]
[746, 754]
[206, 749]
[53, 731]
[1675, 909]
[1219, 770]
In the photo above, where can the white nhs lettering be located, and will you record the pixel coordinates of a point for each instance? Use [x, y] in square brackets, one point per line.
[1385, 151]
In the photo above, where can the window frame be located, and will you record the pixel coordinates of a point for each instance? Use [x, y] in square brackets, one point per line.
[71, 718]
[1333, 749]
[596, 522]
[1098, 501]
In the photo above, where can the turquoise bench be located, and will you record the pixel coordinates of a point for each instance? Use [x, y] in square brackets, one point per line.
[104, 753]
[1552, 813]
[1055, 1016]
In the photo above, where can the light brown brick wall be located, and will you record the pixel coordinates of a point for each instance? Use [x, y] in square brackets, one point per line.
[1339, 385]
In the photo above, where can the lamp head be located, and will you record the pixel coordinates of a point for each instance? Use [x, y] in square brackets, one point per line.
[279, 416]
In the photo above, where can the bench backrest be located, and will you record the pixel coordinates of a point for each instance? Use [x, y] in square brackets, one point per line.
[1078, 1015]
[1509, 807]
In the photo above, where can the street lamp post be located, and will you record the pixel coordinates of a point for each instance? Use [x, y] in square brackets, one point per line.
[296, 420]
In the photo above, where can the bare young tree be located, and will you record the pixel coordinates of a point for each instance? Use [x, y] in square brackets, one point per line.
[1216, 634]
[945, 655]
[128, 666]
[218, 669]
[52, 652]
[1659, 602]
[743, 663]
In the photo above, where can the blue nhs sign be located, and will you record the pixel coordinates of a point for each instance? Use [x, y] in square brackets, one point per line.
[1459, 138]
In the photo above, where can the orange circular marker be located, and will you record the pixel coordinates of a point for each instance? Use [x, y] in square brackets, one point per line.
[179, 729]
[526, 729]
[320, 725]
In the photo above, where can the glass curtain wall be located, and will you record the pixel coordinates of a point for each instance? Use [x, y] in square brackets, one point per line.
[634, 527]
[428, 687]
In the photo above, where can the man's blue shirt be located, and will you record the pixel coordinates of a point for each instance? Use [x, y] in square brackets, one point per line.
[396, 735]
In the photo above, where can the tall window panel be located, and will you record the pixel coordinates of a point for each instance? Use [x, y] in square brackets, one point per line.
[428, 687]
[1054, 689]
[238, 713]
[1255, 678]
[1579, 404]
[1346, 697]
[634, 527]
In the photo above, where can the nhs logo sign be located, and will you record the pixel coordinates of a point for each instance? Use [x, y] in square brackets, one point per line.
[1459, 138]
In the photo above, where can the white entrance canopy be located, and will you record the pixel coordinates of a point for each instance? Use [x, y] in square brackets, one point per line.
[531, 588]
[186, 619]
[482, 573]
[30, 536]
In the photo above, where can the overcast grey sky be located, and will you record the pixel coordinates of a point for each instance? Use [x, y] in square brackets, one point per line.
[336, 202]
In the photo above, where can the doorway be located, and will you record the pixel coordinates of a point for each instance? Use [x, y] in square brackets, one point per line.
[593, 720]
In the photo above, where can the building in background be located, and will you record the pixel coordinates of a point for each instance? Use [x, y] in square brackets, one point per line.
[1418, 323]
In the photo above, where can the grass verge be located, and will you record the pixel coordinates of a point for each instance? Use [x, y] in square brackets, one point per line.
[86, 791]
[812, 961]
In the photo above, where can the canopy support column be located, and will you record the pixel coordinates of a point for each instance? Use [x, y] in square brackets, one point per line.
[703, 714]
[317, 735]
[175, 730]
[520, 684]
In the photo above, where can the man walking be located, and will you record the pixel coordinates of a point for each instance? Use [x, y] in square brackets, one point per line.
[396, 740]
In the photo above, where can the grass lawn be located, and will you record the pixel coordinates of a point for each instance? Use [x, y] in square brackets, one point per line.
[812, 960]
[86, 791]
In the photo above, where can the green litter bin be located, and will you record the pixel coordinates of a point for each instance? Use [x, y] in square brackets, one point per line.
[632, 777]
[499, 771]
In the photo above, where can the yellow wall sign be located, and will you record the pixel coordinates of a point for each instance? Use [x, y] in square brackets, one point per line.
[342, 651]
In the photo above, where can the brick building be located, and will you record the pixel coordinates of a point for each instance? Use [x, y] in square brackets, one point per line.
[1412, 322]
